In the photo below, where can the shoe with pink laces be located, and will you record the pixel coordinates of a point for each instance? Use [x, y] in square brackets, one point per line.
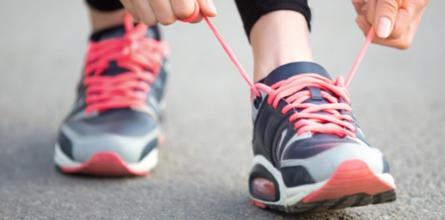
[115, 126]
[309, 152]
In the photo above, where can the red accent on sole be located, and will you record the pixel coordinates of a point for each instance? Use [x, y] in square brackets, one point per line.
[259, 204]
[161, 140]
[105, 164]
[352, 177]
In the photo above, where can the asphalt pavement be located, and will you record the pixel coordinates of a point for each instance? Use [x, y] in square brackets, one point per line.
[398, 97]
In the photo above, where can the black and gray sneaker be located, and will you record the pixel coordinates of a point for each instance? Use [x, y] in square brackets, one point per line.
[309, 152]
[115, 125]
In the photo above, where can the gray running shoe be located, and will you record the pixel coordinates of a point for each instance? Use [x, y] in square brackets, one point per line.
[115, 125]
[309, 152]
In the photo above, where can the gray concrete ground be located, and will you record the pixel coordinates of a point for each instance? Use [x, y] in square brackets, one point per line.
[398, 98]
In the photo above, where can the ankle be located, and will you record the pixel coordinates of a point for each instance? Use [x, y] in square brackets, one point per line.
[103, 20]
[279, 38]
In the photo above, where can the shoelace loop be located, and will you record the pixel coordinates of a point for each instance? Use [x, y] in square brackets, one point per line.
[308, 119]
[140, 55]
[327, 118]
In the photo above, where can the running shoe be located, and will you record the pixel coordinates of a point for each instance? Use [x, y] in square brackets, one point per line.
[114, 127]
[309, 152]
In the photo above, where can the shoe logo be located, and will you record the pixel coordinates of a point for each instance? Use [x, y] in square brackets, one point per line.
[283, 134]
[152, 108]
[296, 137]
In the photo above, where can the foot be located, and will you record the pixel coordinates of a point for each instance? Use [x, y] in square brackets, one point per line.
[115, 125]
[310, 154]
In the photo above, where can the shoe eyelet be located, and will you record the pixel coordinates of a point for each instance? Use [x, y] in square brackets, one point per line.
[257, 102]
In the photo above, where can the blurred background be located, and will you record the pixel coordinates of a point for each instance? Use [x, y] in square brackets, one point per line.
[398, 97]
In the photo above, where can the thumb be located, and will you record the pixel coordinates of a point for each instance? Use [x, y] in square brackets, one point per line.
[385, 16]
[207, 7]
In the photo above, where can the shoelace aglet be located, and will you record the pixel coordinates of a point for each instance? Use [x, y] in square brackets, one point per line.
[340, 81]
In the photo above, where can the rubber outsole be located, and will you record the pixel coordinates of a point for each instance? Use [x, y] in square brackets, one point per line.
[105, 164]
[332, 204]
[110, 164]
[353, 184]
[351, 177]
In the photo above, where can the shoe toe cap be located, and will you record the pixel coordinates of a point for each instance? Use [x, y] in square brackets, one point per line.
[124, 122]
[322, 161]
[130, 135]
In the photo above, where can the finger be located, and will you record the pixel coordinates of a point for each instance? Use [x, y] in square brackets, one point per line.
[145, 12]
[363, 24]
[163, 11]
[359, 5]
[207, 7]
[402, 23]
[385, 16]
[128, 5]
[360, 25]
[406, 15]
[198, 19]
[183, 8]
[370, 12]
[402, 43]
[405, 41]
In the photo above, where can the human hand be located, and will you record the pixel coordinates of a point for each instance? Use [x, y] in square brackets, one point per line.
[167, 12]
[395, 21]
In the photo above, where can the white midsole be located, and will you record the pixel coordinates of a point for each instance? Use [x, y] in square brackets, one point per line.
[293, 195]
[148, 163]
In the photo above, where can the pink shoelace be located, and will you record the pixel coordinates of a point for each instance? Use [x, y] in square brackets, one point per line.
[134, 52]
[293, 92]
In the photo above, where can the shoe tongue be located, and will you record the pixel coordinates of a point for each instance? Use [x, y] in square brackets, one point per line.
[292, 69]
[119, 31]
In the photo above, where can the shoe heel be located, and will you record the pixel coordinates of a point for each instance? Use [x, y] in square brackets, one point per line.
[263, 185]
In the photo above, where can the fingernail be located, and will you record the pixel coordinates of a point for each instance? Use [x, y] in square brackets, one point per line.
[384, 29]
[211, 6]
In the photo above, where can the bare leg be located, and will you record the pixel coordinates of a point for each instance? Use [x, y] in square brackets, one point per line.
[278, 38]
[101, 20]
